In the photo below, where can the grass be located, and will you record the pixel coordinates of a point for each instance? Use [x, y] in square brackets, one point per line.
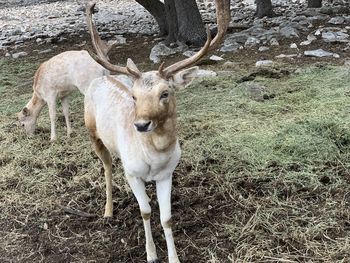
[261, 180]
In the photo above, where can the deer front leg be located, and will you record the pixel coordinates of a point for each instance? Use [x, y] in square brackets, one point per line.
[164, 200]
[138, 188]
[52, 112]
[65, 108]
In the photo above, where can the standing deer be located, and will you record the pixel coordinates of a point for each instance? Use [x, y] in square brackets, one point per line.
[57, 78]
[139, 124]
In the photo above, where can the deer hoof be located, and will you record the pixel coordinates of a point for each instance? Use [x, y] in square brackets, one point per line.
[154, 261]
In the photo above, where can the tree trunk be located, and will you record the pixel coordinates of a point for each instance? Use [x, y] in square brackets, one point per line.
[189, 21]
[171, 18]
[157, 10]
[180, 19]
[314, 3]
[264, 8]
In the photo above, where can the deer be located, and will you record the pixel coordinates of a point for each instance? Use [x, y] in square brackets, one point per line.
[138, 124]
[55, 79]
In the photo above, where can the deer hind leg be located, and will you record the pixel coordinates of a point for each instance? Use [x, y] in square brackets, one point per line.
[65, 109]
[105, 156]
[164, 200]
[52, 113]
[138, 188]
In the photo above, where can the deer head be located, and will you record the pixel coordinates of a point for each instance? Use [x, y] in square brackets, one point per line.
[154, 91]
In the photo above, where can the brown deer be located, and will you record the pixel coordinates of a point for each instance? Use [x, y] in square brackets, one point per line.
[139, 125]
[57, 78]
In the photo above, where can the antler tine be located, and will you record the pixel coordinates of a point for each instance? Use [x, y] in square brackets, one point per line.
[101, 48]
[223, 19]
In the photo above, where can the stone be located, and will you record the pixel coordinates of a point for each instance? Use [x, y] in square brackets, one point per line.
[45, 51]
[320, 53]
[338, 20]
[347, 63]
[19, 54]
[7, 54]
[274, 42]
[188, 53]
[230, 65]
[264, 63]
[255, 91]
[251, 42]
[289, 32]
[161, 50]
[216, 58]
[293, 45]
[287, 56]
[206, 73]
[330, 36]
[263, 48]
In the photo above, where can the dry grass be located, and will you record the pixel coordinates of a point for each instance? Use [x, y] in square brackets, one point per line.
[259, 181]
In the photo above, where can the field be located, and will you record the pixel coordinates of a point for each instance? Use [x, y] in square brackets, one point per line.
[264, 176]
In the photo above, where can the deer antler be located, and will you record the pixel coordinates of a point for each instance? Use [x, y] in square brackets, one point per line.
[102, 48]
[223, 20]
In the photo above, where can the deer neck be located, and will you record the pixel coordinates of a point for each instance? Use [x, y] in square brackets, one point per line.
[35, 105]
[163, 138]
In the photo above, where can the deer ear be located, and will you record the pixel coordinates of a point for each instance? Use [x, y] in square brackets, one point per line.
[26, 112]
[184, 77]
[131, 67]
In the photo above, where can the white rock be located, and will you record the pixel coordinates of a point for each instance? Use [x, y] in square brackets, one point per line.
[338, 20]
[293, 45]
[216, 58]
[274, 42]
[264, 63]
[188, 53]
[19, 54]
[7, 54]
[206, 73]
[287, 56]
[320, 53]
[263, 48]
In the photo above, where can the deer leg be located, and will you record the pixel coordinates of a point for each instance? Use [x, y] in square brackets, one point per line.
[52, 113]
[138, 187]
[104, 155]
[164, 200]
[65, 108]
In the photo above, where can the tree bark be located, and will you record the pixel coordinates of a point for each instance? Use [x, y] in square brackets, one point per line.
[264, 8]
[314, 3]
[190, 24]
[157, 10]
[180, 19]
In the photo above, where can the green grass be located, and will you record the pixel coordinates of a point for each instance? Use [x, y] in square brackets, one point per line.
[259, 181]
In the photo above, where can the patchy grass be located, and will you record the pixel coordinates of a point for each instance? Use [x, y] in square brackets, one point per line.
[261, 180]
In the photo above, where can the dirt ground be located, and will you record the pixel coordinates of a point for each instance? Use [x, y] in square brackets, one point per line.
[226, 207]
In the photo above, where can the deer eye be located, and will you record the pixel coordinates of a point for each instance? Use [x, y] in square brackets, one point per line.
[134, 98]
[164, 95]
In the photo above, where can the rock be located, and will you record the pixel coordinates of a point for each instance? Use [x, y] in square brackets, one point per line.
[338, 20]
[256, 91]
[330, 36]
[7, 54]
[347, 63]
[230, 65]
[263, 48]
[19, 54]
[38, 40]
[289, 32]
[320, 53]
[119, 40]
[232, 47]
[161, 50]
[293, 45]
[188, 53]
[264, 63]
[287, 56]
[251, 42]
[274, 42]
[45, 51]
[206, 73]
[216, 58]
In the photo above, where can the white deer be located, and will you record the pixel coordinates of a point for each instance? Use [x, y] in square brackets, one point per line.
[138, 123]
[57, 78]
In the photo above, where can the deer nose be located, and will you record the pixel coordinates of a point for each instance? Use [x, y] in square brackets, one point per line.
[142, 126]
